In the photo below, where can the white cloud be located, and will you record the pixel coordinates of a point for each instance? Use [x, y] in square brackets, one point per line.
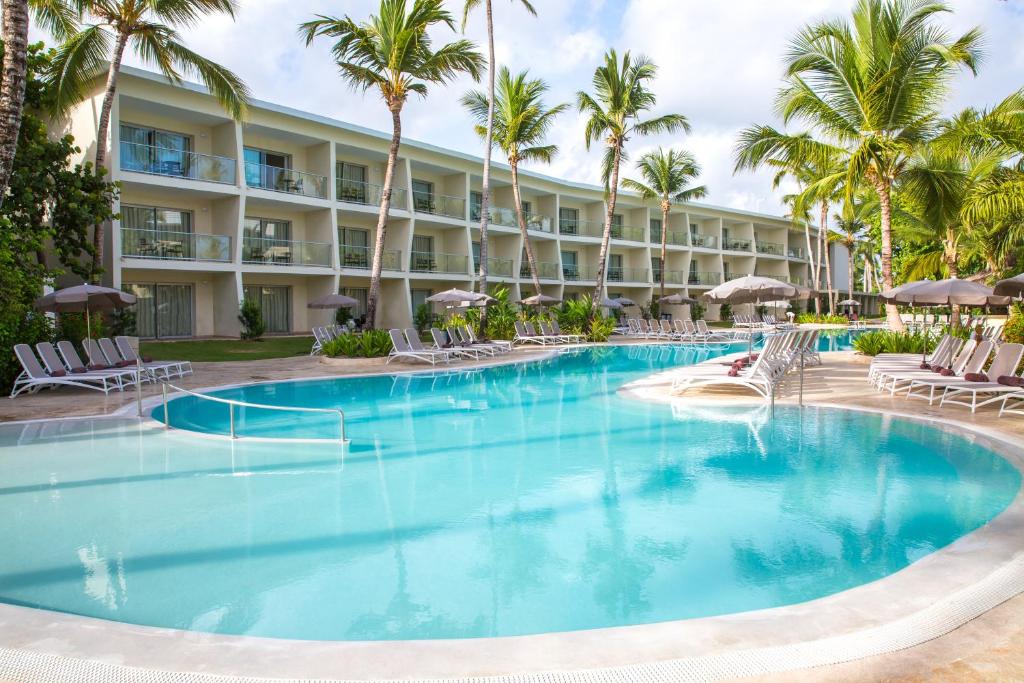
[719, 64]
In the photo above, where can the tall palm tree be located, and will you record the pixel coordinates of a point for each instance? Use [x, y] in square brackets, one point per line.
[620, 97]
[148, 27]
[851, 223]
[12, 84]
[873, 85]
[393, 53]
[485, 186]
[666, 178]
[519, 124]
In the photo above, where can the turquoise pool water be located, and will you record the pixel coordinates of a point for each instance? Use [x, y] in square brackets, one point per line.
[513, 500]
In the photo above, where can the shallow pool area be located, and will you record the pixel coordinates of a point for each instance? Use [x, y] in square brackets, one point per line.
[511, 500]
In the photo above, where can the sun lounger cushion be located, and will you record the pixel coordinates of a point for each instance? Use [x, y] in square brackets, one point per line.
[926, 366]
[733, 372]
[78, 371]
[976, 377]
[124, 364]
[58, 373]
[1011, 381]
[97, 366]
[946, 372]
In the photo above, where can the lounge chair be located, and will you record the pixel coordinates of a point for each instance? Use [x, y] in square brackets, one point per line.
[708, 334]
[403, 350]
[1013, 404]
[122, 376]
[762, 375]
[320, 338]
[33, 377]
[442, 342]
[1003, 365]
[499, 345]
[927, 387]
[169, 368]
[572, 338]
[524, 336]
[896, 381]
[882, 375]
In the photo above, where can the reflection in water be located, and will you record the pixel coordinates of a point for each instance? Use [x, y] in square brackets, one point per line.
[513, 500]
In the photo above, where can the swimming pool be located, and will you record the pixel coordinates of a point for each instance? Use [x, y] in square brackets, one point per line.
[513, 500]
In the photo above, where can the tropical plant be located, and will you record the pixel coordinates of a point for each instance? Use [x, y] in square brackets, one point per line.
[250, 315]
[889, 341]
[601, 328]
[501, 316]
[821, 319]
[365, 344]
[424, 317]
[667, 176]
[345, 344]
[621, 96]
[110, 27]
[393, 53]
[520, 122]
[1013, 330]
[485, 187]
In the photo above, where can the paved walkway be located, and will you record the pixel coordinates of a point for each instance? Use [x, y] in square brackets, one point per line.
[988, 648]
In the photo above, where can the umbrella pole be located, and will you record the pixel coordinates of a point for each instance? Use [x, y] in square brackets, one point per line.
[88, 321]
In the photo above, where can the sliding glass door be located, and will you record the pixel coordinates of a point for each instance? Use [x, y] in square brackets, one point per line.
[162, 311]
[275, 302]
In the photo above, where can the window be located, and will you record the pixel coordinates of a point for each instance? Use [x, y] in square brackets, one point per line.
[355, 247]
[615, 267]
[476, 257]
[423, 196]
[275, 303]
[476, 200]
[419, 297]
[656, 267]
[149, 150]
[527, 207]
[570, 265]
[266, 240]
[352, 183]
[162, 310]
[616, 225]
[423, 253]
[148, 231]
[694, 276]
[360, 295]
[656, 229]
[267, 169]
[568, 221]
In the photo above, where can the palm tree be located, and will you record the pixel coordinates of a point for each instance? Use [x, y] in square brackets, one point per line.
[873, 85]
[147, 26]
[485, 186]
[851, 223]
[519, 124]
[393, 53]
[621, 96]
[12, 84]
[666, 178]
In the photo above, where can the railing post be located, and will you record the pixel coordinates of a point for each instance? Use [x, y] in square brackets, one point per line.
[231, 418]
[163, 390]
[138, 384]
[801, 377]
[341, 418]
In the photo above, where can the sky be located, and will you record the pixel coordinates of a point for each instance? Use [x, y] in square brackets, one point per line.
[719, 64]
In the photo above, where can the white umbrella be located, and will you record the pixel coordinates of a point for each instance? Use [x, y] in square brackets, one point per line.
[623, 301]
[676, 299]
[455, 296]
[333, 301]
[540, 300]
[84, 298]
[610, 303]
[1013, 286]
[849, 302]
[753, 289]
[944, 293]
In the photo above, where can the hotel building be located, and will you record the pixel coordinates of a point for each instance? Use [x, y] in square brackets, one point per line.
[283, 208]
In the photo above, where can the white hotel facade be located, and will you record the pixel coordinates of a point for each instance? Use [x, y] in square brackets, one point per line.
[283, 208]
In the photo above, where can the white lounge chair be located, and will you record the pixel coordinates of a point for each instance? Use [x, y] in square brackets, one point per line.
[761, 376]
[572, 338]
[968, 393]
[498, 345]
[56, 363]
[442, 342]
[403, 350]
[927, 387]
[524, 336]
[167, 368]
[33, 377]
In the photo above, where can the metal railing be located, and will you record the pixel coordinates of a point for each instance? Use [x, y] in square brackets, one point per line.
[627, 232]
[352, 256]
[172, 245]
[232, 404]
[704, 241]
[619, 274]
[498, 267]
[672, 277]
[704, 279]
[737, 245]
[770, 248]
[176, 163]
[498, 215]
[439, 205]
[430, 262]
[671, 237]
[358, 192]
[285, 180]
[546, 270]
[577, 272]
[580, 227]
[797, 253]
[285, 252]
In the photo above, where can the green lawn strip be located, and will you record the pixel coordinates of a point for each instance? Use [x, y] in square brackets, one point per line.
[220, 350]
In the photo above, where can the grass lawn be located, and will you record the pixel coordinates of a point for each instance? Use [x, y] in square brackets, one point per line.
[217, 350]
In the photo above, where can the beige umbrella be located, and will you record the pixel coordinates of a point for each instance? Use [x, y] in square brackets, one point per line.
[1013, 286]
[86, 299]
[610, 303]
[623, 301]
[333, 301]
[459, 297]
[677, 299]
[944, 293]
[753, 289]
[540, 300]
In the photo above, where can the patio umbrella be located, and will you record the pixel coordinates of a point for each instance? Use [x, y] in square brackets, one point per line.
[540, 300]
[1013, 286]
[676, 299]
[86, 299]
[333, 301]
[610, 303]
[849, 302]
[944, 293]
[456, 296]
[753, 289]
[623, 301]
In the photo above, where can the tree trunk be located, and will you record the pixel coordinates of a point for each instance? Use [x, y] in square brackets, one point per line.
[101, 137]
[950, 254]
[485, 187]
[811, 260]
[823, 235]
[892, 314]
[665, 208]
[12, 85]
[521, 220]
[602, 257]
[850, 255]
[382, 218]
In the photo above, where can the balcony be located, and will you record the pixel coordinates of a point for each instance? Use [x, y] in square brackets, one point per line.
[770, 248]
[496, 267]
[286, 180]
[429, 262]
[618, 274]
[738, 245]
[175, 246]
[507, 218]
[361, 258]
[367, 194]
[574, 273]
[546, 270]
[672, 237]
[797, 252]
[275, 252]
[672, 277]
[439, 205]
[580, 228]
[704, 241]
[175, 163]
[627, 232]
[703, 279]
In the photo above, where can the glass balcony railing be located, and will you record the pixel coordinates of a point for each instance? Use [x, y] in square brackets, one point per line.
[439, 205]
[177, 163]
[351, 256]
[770, 248]
[797, 253]
[627, 232]
[175, 246]
[580, 228]
[285, 180]
[738, 245]
[358, 192]
[672, 237]
[498, 215]
[618, 274]
[733, 276]
[577, 272]
[496, 267]
[545, 270]
[703, 279]
[276, 252]
[703, 241]
[429, 262]
[672, 277]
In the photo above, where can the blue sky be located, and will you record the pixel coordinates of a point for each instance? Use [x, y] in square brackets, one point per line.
[719, 65]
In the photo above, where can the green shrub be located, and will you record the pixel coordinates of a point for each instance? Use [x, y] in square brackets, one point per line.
[346, 344]
[250, 314]
[724, 311]
[887, 341]
[501, 316]
[342, 316]
[600, 329]
[366, 344]
[424, 318]
[122, 322]
[822, 319]
[71, 326]
[1013, 331]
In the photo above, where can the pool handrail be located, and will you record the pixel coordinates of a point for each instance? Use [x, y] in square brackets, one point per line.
[245, 404]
